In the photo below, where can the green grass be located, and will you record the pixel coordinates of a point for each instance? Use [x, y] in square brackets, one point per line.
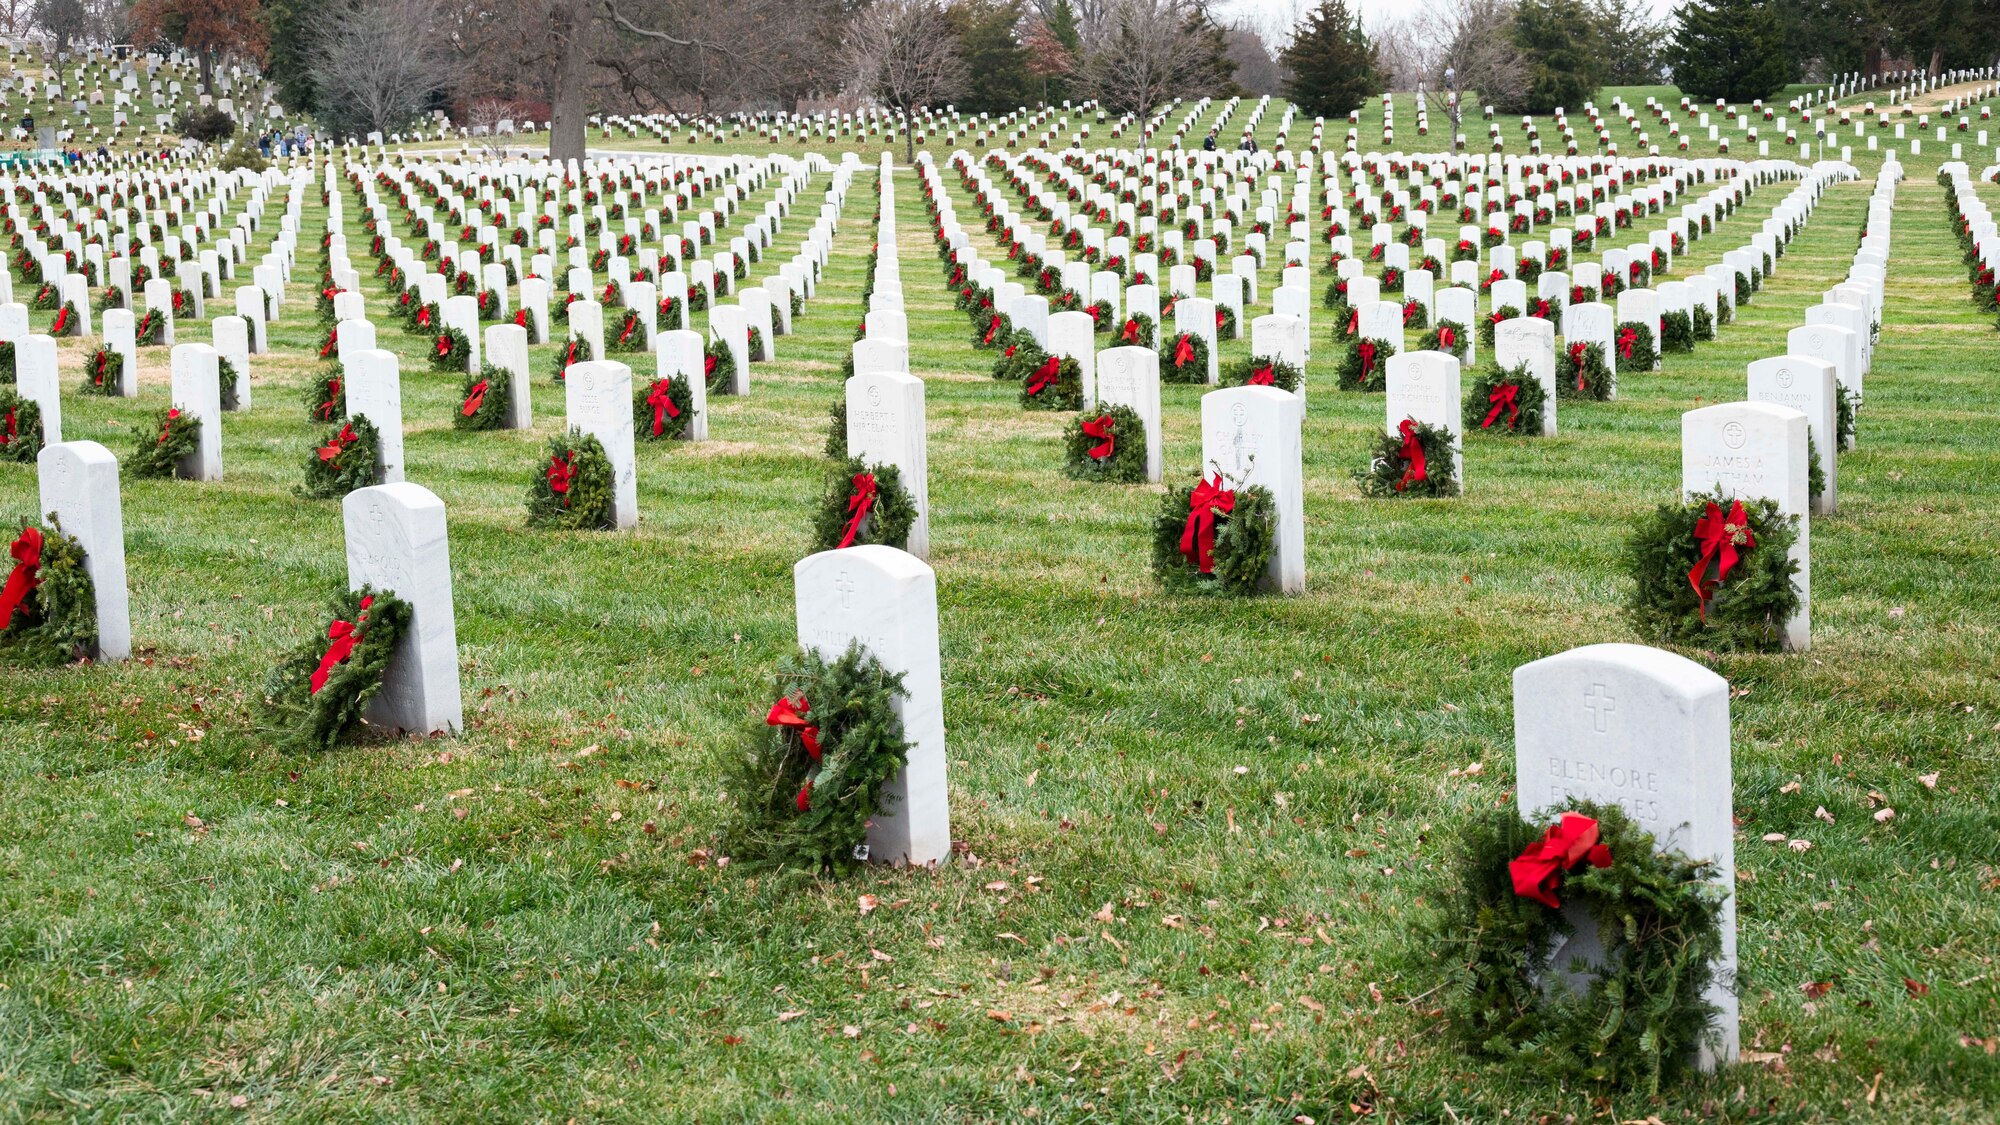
[522, 923]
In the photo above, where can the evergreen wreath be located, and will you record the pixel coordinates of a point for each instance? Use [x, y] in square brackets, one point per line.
[1186, 359]
[1018, 358]
[1346, 323]
[808, 779]
[1704, 323]
[46, 298]
[1214, 540]
[1415, 316]
[325, 397]
[451, 351]
[6, 361]
[102, 372]
[329, 345]
[662, 409]
[1676, 332]
[1584, 373]
[863, 503]
[20, 427]
[836, 430]
[1225, 323]
[1137, 331]
[572, 489]
[1107, 445]
[1843, 409]
[757, 351]
[575, 351]
[67, 323]
[1743, 288]
[1446, 336]
[347, 458]
[1364, 366]
[1642, 1019]
[150, 330]
[1509, 403]
[1635, 345]
[526, 321]
[174, 435]
[1492, 321]
[631, 334]
[1055, 384]
[989, 329]
[1746, 596]
[314, 697]
[48, 607]
[1264, 371]
[719, 367]
[1414, 461]
[225, 382]
[484, 399]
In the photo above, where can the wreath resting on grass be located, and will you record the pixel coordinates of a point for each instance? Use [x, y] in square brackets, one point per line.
[863, 503]
[1642, 1019]
[325, 397]
[1137, 331]
[1416, 460]
[989, 330]
[1365, 364]
[1704, 323]
[102, 372]
[1108, 446]
[1676, 332]
[631, 334]
[1716, 573]
[315, 697]
[757, 351]
[572, 489]
[1446, 336]
[48, 607]
[575, 351]
[1492, 322]
[1509, 403]
[347, 458]
[20, 427]
[1018, 358]
[1208, 538]
[809, 778]
[836, 430]
[525, 320]
[1055, 384]
[662, 409]
[174, 435]
[6, 361]
[1186, 360]
[484, 399]
[1415, 316]
[1584, 373]
[1635, 344]
[1264, 371]
[67, 323]
[451, 351]
[719, 367]
[225, 383]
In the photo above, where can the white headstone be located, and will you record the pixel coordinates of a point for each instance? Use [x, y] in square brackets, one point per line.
[1130, 377]
[1756, 451]
[197, 393]
[1809, 386]
[598, 401]
[507, 349]
[1425, 387]
[885, 426]
[79, 487]
[37, 380]
[396, 541]
[1253, 436]
[1532, 341]
[680, 356]
[375, 392]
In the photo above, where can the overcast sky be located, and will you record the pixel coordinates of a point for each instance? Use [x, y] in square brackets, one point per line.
[1272, 17]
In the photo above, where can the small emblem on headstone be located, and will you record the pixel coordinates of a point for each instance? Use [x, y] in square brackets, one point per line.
[1602, 705]
[1733, 435]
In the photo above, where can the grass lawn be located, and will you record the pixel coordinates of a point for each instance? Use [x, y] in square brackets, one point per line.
[1198, 837]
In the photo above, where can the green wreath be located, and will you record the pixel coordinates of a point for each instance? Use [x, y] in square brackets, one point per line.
[758, 353]
[6, 361]
[150, 330]
[347, 458]
[1346, 323]
[20, 427]
[719, 367]
[1416, 317]
[1389, 473]
[887, 518]
[1640, 1021]
[451, 351]
[1225, 323]
[574, 351]
[662, 409]
[368, 623]
[1641, 351]
[807, 780]
[1117, 427]
[484, 399]
[325, 397]
[631, 334]
[1245, 537]
[1585, 374]
[1748, 607]
[174, 435]
[1186, 360]
[1843, 409]
[1743, 288]
[1366, 365]
[1492, 321]
[225, 383]
[1137, 331]
[56, 623]
[1704, 323]
[1433, 339]
[67, 322]
[572, 489]
[989, 329]
[1263, 371]
[1487, 409]
[836, 430]
[1058, 389]
[1018, 358]
[1676, 332]
[102, 372]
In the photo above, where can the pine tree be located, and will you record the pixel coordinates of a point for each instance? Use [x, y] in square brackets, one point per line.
[1565, 64]
[996, 64]
[1733, 49]
[1333, 64]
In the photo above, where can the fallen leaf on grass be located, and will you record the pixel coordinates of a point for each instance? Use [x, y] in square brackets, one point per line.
[1916, 987]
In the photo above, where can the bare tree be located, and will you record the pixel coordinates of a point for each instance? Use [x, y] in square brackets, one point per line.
[904, 53]
[1256, 70]
[377, 63]
[1147, 51]
[1466, 49]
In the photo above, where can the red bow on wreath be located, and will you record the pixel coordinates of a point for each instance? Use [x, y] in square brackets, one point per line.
[1198, 536]
[1100, 428]
[1184, 351]
[631, 325]
[27, 552]
[325, 409]
[803, 801]
[424, 316]
[173, 415]
[1264, 376]
[1627, 337]
[1409, 310]
[561, 468]
[1504, 397]
[1447, 339]
[1354, 322]
[1412, 454]
[344, 635]
[474, 400]
[1044, 376]
[991, 328]
[1539, 870]
[444, 345]
[660, 398]
[1220, 317]
[1130, 334]
[62, 321]
[341, 441]
[859, 503]
[708, 366]
[332, 341]
[1367, 350]
[1718, 537]
[784, 713]
[1576, 359]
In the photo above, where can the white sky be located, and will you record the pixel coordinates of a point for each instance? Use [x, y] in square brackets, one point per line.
[1272, 17]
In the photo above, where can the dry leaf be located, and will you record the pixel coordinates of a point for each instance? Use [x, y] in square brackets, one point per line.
[867, 903]
[1104, 915]
[1930, 780]
[787, 1017]
[1814, 989]
[1916, 987]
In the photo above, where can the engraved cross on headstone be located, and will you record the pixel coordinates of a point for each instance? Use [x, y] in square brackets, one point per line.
[844, 582]
[1602, 705]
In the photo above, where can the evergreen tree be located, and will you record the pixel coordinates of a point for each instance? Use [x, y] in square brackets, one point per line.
[1733, 49]
[996, 65]
[1565, 63]
[1629, 40]
[1333, 64]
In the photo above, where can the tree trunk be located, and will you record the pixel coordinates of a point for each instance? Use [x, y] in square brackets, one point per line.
[568, 24]
[1937, 56]
[207, 71]
[909, 139]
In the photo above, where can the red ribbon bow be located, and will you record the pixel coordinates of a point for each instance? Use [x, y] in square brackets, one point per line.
[62, 320]
[1100, 428]
[1504, 398]
[444, 345]
[173, 415]
[1130, 334]
[1447, 339]
[332, 342]
[561, 468]
[1718, 536]
[325, 410]
[1627, 337]
[1539, 870]
[1045, 375]
[1367, 359]
[1264, 376]
[991, 328]
[661, 400]
[1183, 351]
[786, 714]
[27, 552]
[1412, 453]
[474, 400]
[804, 800]
[1576, 356]
[344, 635]
[1198, 536]
[424, 317]
[1354, 322]
[341, 441]
[1220, 318]
[859, 504]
